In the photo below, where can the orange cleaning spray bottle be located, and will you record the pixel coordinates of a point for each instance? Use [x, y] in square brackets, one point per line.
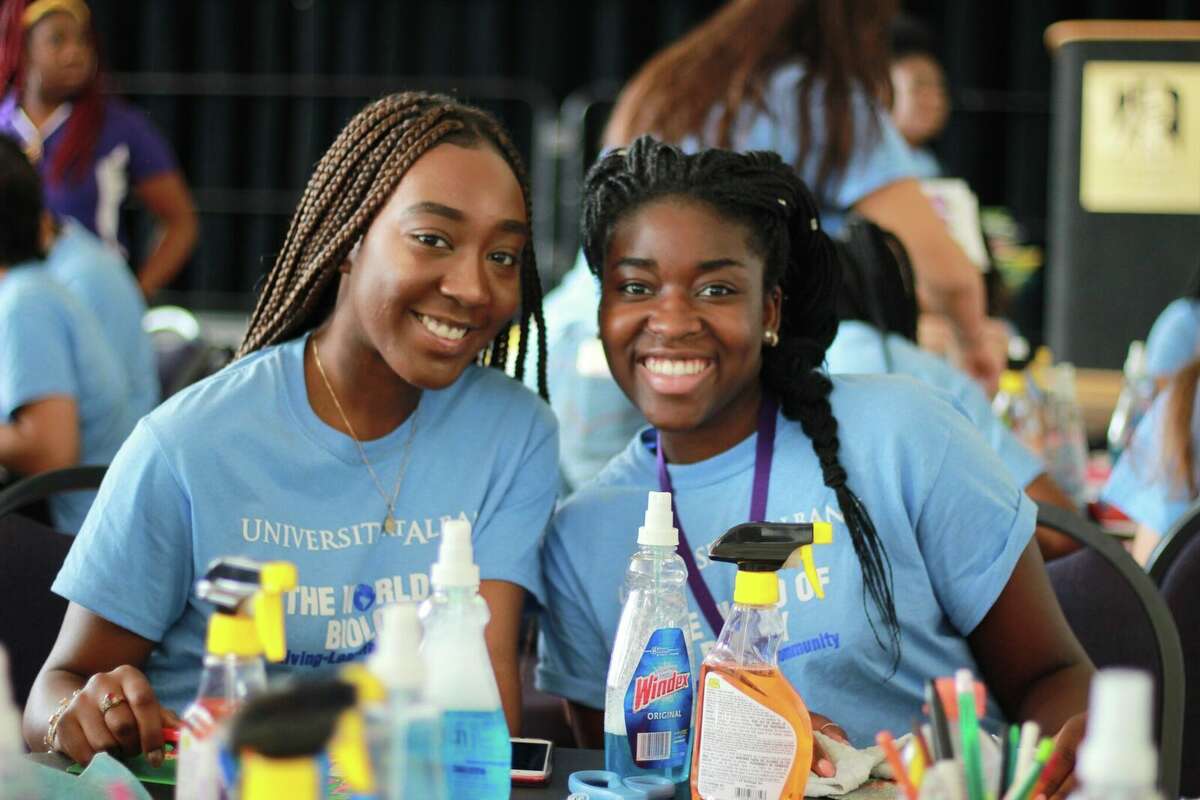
[753, 735]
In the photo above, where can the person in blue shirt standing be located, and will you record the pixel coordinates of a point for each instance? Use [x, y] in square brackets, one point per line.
[101, 281]
[64, 399]
[1157, 478]
[717, 306]
[368, 405]
[877, 328]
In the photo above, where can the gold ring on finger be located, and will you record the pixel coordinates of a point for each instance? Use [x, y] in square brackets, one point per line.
[109, 702]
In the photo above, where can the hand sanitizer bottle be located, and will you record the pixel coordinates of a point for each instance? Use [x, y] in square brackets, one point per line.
[1117, 760]
[477, 751]
[407, 753]
[648, 697]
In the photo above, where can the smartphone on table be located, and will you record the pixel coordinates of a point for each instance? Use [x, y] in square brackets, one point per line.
[531, 762]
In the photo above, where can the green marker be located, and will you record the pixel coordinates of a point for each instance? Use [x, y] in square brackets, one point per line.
[1044, 751]
[968, 725]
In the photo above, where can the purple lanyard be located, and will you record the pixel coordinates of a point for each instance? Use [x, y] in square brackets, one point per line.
[764, 451]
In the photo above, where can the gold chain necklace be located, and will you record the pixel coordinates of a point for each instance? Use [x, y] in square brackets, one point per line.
[389, 523]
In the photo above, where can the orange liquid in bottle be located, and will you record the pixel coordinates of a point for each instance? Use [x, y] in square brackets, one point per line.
[748, 737]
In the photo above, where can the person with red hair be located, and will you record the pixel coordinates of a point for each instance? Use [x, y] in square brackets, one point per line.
[90, 148]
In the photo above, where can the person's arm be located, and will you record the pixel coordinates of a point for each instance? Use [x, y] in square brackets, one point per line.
[1046, 678]
[505, 601]
[1044, 491]
[167, 197]
[43, 436]
[947, 281]
[97, 658]
[586, 723]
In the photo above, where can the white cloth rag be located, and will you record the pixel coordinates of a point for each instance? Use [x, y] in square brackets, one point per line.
[854, 767]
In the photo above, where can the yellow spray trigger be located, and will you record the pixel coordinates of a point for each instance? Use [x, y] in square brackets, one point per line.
[822, 534]
[276, 578]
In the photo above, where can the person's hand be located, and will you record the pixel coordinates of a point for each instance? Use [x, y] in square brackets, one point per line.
[115, 712]
[1059, 780]
[821, 763]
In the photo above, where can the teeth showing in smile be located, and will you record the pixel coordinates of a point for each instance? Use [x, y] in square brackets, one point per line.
[439, 328]
[675, 366]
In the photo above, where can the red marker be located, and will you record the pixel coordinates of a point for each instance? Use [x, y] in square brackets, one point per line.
[888, 745]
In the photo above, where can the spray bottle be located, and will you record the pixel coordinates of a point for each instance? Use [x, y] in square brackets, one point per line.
[1117, 760]
[753, 734]
[247, 624]
[477, 752]
[648, 697]
[404, 732]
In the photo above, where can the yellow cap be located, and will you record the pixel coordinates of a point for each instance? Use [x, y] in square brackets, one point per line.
[231, 635]
[267, 778]
[756, 588]
[1012, 382]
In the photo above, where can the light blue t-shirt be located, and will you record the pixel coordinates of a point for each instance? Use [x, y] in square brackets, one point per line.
[1140, 484]
[950, 518]
[240, 465]
[100, 280]
[926, 163]
[51, 345]
[859, 348]
[880, 155]
[1174, 339]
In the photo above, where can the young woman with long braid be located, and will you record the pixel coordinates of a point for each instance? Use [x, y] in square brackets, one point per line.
[718, 295]
[362, 413]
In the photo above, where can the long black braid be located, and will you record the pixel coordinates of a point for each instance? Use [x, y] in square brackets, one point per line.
[761, 192]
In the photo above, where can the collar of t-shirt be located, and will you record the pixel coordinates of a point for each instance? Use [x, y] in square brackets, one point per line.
[734, 461]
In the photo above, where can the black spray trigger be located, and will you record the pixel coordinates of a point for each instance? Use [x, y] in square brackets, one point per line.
[761, 546]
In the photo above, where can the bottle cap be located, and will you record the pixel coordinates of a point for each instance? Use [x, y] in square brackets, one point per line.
[1012, 382]
[396, 661]
[1119, 745]
[659, 526]
[10, 718]
[455, 565]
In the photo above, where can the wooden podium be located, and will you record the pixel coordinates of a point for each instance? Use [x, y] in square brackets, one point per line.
[1124, 206]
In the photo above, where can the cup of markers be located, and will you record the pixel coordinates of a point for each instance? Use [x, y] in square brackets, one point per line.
[952, 758]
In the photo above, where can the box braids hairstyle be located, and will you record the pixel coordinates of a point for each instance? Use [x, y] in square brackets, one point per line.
[350, 184]
[759, 191]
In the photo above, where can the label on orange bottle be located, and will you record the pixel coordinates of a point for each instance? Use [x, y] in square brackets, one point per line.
[746, 749]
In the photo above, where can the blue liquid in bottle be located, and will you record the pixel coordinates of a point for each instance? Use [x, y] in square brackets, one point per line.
[478, 754]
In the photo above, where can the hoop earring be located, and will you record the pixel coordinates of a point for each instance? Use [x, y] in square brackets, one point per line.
[770, 338]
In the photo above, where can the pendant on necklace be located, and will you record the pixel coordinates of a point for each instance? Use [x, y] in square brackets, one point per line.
[389, 524]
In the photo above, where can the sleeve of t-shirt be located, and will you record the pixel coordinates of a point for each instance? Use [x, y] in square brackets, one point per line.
[1139, 484]
[509, 534]
[132, 561]
[1174, 339]
[149, 153]
[573, 652]
[35, 353]
[880, 155]
[972, 524]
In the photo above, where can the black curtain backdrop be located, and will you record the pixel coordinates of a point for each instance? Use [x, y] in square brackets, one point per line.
[250, 92]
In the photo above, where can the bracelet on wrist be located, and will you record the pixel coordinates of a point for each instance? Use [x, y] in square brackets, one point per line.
[56, 718]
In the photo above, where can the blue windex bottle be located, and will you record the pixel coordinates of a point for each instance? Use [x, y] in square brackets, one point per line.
[648, 698]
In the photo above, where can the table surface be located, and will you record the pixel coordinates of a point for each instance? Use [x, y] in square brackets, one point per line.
[566, 761]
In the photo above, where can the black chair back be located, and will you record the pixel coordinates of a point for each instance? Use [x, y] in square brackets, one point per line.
[1175, 567]
[1121, 619]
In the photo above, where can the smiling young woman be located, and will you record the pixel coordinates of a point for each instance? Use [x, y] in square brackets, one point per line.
[362, 413]
[718, 290]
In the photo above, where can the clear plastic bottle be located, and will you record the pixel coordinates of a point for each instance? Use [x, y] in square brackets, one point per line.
[477, 751]
[1065, 450]
[247, 626]
[1137, 393]
[17, 781]
[405, 732]
[648, 696]
[1117, 760]
[1015, 407]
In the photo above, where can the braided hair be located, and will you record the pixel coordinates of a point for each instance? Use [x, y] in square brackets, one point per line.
[759, 191]
[349, 186]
